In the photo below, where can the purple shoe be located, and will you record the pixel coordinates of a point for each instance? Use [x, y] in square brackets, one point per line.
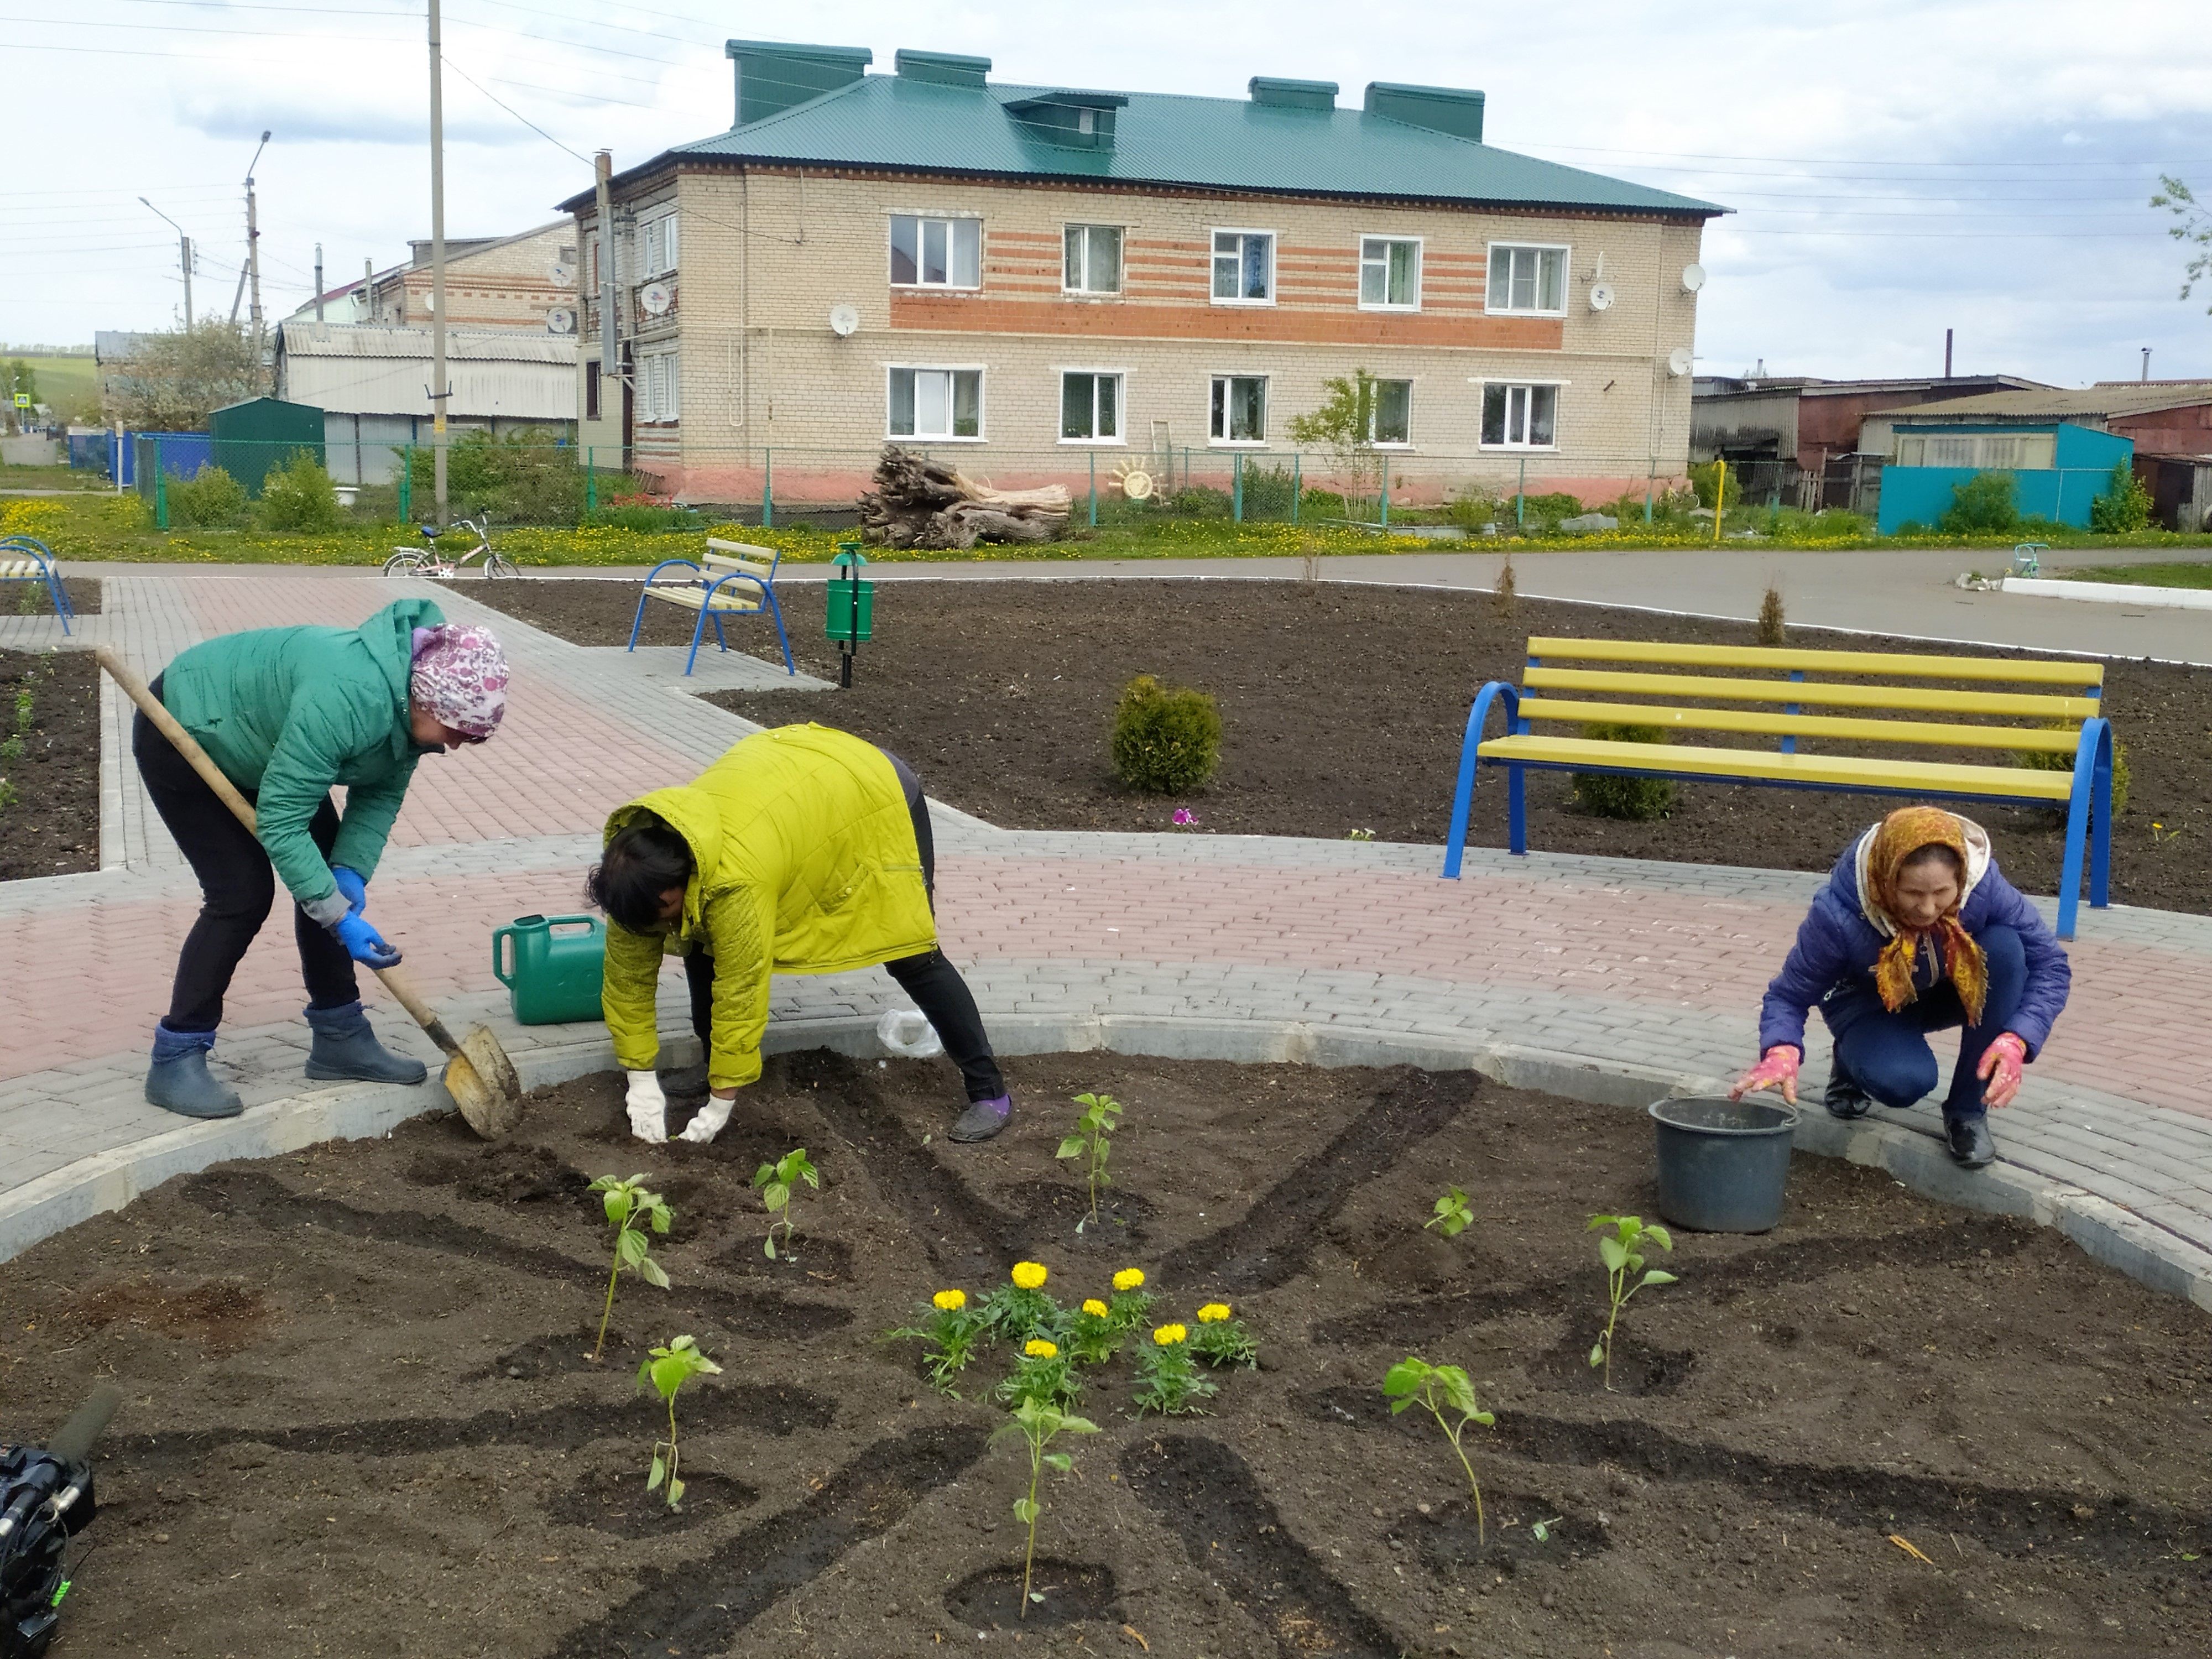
[983, 1119]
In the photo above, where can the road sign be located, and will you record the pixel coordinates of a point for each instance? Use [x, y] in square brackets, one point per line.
[23, 400]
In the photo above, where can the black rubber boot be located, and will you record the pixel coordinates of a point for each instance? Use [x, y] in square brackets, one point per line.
[1971, 1148]
[346, 1051]
[180, 1081]
[1845, 1098]
[983, 1119]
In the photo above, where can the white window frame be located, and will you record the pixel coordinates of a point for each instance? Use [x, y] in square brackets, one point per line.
[656, 249]
[1213, 253]
[658, 387]
[1121, 271]
[1525, 383]
[1566, 251]
[1266, 381]
[1420, 250]
[1376, 410]
[1121, 440]
[983, 394]
[948, 220]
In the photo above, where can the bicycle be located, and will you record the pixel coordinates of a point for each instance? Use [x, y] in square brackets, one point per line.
[427, 561]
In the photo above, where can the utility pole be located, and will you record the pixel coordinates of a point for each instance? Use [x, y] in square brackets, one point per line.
[318, 282]
[439, 392]
[253, 255]
[184, 257]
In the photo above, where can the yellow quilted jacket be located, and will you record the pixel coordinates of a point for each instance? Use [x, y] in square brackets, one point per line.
[805, 862]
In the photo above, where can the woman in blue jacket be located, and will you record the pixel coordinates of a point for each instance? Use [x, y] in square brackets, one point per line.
[1916, 931]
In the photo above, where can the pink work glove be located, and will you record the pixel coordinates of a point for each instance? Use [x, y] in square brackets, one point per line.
[2000, 1068]
[1779, 1065]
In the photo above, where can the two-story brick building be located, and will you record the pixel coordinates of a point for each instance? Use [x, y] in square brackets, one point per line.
[1033, 272]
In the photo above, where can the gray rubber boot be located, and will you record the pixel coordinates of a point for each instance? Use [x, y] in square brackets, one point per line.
[346, 1051]
[983, 1119]
[180, 1081]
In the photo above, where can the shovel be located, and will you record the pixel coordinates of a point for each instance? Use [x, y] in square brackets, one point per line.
[479, 1074]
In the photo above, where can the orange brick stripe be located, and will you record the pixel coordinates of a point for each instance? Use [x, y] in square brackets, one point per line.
[940, 313]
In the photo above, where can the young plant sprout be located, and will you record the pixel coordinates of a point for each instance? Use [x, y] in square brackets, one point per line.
[1167, 1381]
[1093, 1140]
[631, 1209]
[952, 1330]
[1092, 1339]
[1018, 1310]
[1412, 1381]
[1452, 1214]
[1132, 1303]
[1622, 1250]
[1222, 1339]
[1042, 1374]
[778, 1179]
[1037, 1423]
[668, 1369]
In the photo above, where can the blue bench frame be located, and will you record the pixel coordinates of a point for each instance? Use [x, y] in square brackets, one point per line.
[45, 556]
[2088, 812]
[698, 629]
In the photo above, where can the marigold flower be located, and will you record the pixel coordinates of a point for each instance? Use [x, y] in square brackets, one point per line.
[1038, 1348]
[1095, 1307]
[1128, 1278]
[1168, 1335]
[1030, 1275]
[951, 1301]
[1214, 1313]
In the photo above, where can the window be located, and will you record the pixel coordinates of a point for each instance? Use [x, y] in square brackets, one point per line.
[1089, 408]
[658, 388]
[936, 402]
[1390, 274]
[592, 389]
[1983, 452]
[595, 262]
[1390, 419]
[1094, 259]
[657, 246]
[936, 252]
[1520, 416]
[1243, 267]
[1240, 409]
[1528, 279]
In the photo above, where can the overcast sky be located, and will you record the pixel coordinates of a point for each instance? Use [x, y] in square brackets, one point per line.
[1896, 168]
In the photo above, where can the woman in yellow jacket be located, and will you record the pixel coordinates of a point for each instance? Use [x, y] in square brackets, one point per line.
[803, 850]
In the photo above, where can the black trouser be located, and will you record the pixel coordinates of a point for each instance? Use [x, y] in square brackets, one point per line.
[238, 883]
[934, 984]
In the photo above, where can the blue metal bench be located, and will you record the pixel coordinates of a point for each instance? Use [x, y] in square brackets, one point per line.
[726, 583]
[26, 559]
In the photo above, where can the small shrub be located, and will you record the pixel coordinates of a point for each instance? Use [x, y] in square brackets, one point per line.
[2125, 505]
[1608, 795]
[1704, 481]
[1268, 491]
[1166, 741]
[1507, 589]
[298, 495]
[1198, 502]
[212, 501]
[2047, 760]
[1773, 631]
[1987, 504]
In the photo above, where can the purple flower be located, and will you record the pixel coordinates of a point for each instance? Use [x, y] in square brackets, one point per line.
[1183, 816]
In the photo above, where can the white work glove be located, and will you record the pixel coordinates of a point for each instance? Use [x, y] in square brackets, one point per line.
[709, 1122]
[647, 1108]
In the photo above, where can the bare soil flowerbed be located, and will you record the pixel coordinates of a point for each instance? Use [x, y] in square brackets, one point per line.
[359, 1421]
[1342, 710]
[52, 827]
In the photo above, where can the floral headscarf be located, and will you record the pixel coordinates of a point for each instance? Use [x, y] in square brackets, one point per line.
[459, 676]
[1881, 860]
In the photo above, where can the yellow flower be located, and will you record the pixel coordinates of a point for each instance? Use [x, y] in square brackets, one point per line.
[1038, 1348]
[1128, 1278]
[1095, 1307]
[951, 1301]
[1030, 1275]
[1214, 1313]
[1168, 1335]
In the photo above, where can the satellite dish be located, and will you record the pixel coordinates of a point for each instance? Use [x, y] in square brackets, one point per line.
[656, 298]
[1678, 361]
[1600, 297]
[560, 321]
[1693, 277]
[844, 321]
[561, 275]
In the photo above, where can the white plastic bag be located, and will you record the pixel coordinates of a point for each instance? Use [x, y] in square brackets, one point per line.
[909, 1035]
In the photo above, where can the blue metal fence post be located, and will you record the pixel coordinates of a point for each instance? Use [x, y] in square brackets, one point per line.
[768, 489]
[1297, 482]
[160, 489]
[1094, 489]
[1236, 487]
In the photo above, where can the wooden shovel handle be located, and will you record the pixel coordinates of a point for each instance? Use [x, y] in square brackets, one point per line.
[139, 692]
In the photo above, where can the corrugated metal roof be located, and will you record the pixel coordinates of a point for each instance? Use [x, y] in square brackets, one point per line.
[378, 369]
[1224, 143]
[2059, 405]
[516, 345]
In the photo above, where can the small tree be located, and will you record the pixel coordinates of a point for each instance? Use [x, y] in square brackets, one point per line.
[2196, 227]
[176, 379]
[1165, 740]
[21, 379]
[1986, 504]
[298, 495]
[1344, 425]
[2125, 505]
[1773, 629]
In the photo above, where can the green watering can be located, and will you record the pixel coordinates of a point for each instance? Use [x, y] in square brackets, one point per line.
[552, 978]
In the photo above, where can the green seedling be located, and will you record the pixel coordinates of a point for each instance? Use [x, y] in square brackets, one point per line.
[777, 1180]
[1452, 1214]
[1541, 1530]
[1167, 1383]
[1413, 1382]
[951, 1328]
[668, 1370]
[631, 1209]
[1622, 1249]
[1093, 1141]
[1038, 1423]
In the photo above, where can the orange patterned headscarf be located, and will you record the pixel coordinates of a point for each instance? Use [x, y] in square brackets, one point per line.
[1896, 839]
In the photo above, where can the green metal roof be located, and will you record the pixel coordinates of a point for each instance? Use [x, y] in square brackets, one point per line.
[925, 126]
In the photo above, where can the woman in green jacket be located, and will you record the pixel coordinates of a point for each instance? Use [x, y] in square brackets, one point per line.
[803, 850]
[286, 714]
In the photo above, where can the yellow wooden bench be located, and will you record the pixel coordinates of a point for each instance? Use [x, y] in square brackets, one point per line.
[734, 579]
[1669, 694]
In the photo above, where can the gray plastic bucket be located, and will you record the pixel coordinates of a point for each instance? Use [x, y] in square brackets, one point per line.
[1722, 1163]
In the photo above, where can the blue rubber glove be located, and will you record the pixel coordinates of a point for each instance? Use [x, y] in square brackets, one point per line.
[353, 885]
[364, 944]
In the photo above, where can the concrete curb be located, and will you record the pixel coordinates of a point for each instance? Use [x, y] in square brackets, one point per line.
[2116, 1236]
[2151, 598]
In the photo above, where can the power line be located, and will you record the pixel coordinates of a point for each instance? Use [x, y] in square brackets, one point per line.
[511, 110]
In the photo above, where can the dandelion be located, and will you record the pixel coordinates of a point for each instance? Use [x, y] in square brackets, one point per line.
[1129, 1279]
[1214, 1313]
[1030, 1275]
[951, 1301]
[1038, 1348]
[1168, 1335]
[1095, 1307]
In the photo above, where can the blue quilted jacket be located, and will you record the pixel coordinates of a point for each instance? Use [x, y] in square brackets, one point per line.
[1837, 945]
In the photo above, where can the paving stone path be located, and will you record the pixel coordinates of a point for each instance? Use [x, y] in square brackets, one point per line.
[1625, 963]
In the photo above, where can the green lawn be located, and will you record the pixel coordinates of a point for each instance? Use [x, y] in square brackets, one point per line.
[70, 385]
[2145, 575]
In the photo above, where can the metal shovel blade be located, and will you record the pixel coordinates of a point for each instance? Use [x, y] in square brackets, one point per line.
[483, 1082]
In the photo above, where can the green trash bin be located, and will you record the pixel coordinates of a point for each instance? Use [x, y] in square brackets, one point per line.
[552, 977]
[850, 617]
